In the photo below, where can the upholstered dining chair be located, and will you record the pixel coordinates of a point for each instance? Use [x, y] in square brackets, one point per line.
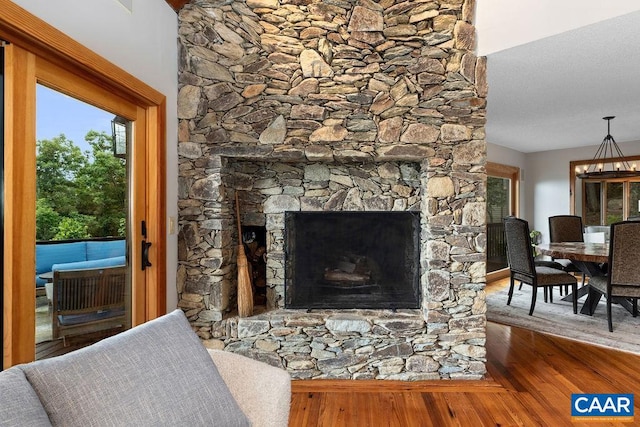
[566, 228]
[522, 266]
[623, 276]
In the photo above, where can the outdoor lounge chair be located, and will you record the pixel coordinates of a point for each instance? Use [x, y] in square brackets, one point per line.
[87, 301]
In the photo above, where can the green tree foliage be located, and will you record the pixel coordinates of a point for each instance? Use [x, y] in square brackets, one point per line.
[57, 163]
[497, 199]
[72, 228]
[47, 220]
[79, 195]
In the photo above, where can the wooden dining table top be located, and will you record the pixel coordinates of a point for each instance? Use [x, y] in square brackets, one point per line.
[578, 251]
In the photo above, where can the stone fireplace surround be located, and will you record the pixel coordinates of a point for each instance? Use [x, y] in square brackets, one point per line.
[410, 138]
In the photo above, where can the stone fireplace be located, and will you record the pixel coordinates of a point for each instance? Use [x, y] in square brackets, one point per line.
[368, 116]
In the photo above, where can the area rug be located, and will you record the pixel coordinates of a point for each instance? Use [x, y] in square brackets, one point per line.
[557, 318]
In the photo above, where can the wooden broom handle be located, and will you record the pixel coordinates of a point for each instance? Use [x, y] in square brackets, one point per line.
[238, 219]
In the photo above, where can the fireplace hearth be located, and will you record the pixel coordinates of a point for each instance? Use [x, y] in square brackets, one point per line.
[347, 260]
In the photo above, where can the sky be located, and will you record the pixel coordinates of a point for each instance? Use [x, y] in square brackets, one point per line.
[57, 113]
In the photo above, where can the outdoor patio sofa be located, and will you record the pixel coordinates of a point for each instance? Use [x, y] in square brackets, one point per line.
[80, 255]
[158, 373]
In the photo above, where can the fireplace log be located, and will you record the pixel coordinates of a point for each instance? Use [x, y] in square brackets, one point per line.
[342, 277]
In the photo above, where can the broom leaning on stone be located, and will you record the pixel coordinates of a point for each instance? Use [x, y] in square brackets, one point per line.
[245, 293]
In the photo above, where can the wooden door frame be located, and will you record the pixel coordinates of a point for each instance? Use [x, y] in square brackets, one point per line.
[36, 40]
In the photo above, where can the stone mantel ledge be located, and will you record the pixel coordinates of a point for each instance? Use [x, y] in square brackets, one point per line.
[390, 153]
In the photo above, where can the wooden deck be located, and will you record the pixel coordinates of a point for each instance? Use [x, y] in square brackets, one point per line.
[53, 348]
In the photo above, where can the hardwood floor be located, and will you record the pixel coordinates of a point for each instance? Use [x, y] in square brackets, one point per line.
[530, 380]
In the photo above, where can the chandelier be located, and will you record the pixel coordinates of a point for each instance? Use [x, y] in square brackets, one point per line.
[609, 162]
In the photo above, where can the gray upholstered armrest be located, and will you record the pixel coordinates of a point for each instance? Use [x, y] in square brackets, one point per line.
[262, 391]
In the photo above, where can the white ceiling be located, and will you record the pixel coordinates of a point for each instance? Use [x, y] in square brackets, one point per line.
[552, 93]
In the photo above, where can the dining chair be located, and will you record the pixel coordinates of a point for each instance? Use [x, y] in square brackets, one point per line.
[522, 266]
[566, 228]
[623, 275]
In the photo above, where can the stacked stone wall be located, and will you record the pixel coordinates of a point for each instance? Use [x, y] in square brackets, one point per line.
[319, 105]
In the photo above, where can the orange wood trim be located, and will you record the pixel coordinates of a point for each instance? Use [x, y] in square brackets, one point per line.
[498, 274]
[20, 196]
[155, 210]
[59, 79]
[177, 4]
[504, 171]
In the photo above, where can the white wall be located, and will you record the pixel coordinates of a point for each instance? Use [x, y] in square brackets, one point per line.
[142, 42]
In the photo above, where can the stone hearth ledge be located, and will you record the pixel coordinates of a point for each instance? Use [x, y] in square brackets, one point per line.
[405, 345]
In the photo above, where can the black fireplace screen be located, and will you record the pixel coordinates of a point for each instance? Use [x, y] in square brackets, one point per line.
[352, 260]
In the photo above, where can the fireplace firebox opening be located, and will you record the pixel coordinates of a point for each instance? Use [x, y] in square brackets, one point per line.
[255, 245]
[352, 260]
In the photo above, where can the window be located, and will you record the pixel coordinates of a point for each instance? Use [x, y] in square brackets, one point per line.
[609, 201]
[604, 201]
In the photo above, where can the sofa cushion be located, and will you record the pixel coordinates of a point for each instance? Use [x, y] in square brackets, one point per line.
[85, 265]
[158, 373]
[105, 249]
[49, 254]
[19, 403]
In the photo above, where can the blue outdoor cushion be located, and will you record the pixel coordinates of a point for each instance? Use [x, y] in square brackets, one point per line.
[84, 265]
[77, 319]
[47, 255]
[105, 249]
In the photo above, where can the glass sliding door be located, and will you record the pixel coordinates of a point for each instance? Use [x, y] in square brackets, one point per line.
[37, 53]
[81, 222]
[502, 196]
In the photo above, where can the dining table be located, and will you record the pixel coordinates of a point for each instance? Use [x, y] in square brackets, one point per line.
[589, 258]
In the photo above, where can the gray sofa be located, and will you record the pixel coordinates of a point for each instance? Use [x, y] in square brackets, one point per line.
[156, 374]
